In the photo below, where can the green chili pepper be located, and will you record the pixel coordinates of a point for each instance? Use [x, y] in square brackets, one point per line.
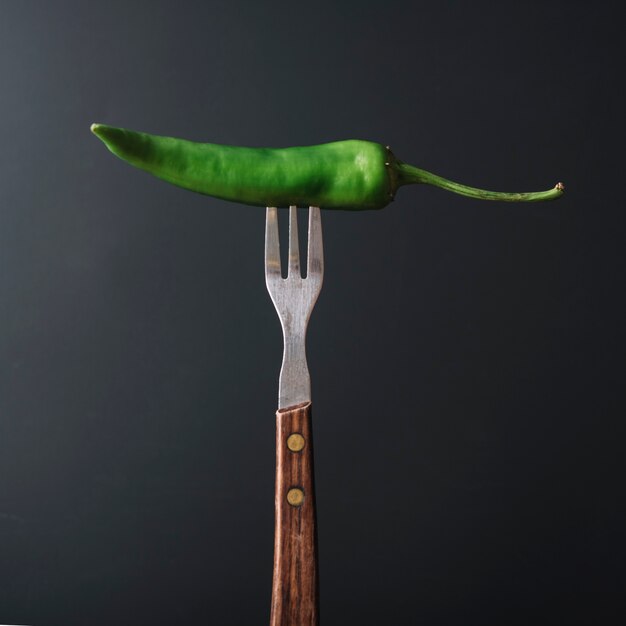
[351, 174]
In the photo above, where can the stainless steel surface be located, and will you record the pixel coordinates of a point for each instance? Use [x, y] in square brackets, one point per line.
[294, 298]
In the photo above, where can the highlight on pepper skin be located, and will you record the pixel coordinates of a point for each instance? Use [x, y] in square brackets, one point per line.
[351, 175]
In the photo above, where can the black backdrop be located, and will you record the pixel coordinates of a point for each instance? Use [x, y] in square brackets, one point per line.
[465, 356]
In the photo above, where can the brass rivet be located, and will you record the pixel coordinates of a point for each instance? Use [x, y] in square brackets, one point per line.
[295, 442]
[295, 496]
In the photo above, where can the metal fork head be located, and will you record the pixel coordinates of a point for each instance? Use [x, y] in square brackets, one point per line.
[294, 298]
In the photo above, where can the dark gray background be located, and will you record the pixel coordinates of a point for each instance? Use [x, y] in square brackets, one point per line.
[466, 357]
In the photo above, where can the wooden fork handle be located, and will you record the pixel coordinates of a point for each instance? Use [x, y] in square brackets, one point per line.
[295, 589]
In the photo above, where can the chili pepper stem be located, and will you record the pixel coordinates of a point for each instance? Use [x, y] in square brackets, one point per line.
[410, 175]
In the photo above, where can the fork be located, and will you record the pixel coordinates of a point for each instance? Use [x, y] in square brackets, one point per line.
[295, 587]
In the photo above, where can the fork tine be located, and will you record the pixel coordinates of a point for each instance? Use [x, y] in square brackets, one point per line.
[272, 245]
[294, 246]
[315, 253]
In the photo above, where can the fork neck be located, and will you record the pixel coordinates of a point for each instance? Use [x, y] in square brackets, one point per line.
[294, 385]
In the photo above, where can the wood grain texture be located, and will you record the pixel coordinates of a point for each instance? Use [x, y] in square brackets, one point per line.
[295, 589]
